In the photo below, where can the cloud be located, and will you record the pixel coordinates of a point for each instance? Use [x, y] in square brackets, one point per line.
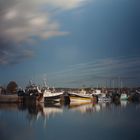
[65, 4]
[22, 20]
[9, 54]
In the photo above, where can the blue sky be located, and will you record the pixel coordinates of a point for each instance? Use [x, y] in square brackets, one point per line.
[70, 43]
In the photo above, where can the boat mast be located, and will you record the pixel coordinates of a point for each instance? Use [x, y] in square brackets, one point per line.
[45, 84]
[30, 82]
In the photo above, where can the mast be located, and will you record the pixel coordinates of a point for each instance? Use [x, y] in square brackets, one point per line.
[30, 82]
[45, 83]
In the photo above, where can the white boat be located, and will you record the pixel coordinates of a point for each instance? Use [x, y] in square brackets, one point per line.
[102, 97]
[97, 92]
[51, 97]
[123, 96]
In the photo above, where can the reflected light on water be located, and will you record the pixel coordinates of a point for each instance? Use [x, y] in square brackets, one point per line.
[47, 111]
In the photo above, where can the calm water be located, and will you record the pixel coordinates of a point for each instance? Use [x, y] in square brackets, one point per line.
[83, 122]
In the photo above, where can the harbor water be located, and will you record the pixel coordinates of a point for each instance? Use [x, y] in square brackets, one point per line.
[102, 121]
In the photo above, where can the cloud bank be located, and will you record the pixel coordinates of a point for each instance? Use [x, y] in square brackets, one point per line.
[23, 20]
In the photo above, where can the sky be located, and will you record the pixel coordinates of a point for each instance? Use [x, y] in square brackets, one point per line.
[70, 43]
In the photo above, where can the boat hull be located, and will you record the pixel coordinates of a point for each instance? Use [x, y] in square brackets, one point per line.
[52, 98]
[80, 98]
[123, 97]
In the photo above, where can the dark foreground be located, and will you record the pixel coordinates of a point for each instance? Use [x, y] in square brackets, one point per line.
[104, 121]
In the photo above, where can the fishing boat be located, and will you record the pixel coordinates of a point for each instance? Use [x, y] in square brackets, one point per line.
[51, 96]
[21, 92]
[80, 97]
[135, 97]
[123, 96]
[102, 97]
[32, 92]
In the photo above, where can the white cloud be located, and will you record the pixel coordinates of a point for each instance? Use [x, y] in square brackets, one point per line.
[65, 4]
[38, 21]
[11, 14]
[62, 4]
[22, 19]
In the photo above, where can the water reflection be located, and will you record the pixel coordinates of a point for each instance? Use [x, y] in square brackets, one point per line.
[51, 111]
[35, 111]
[35, 121]
[12, 107]
[47, 111]
[123, 103]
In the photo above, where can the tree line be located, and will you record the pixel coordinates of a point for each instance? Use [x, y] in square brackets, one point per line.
[11, 88]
